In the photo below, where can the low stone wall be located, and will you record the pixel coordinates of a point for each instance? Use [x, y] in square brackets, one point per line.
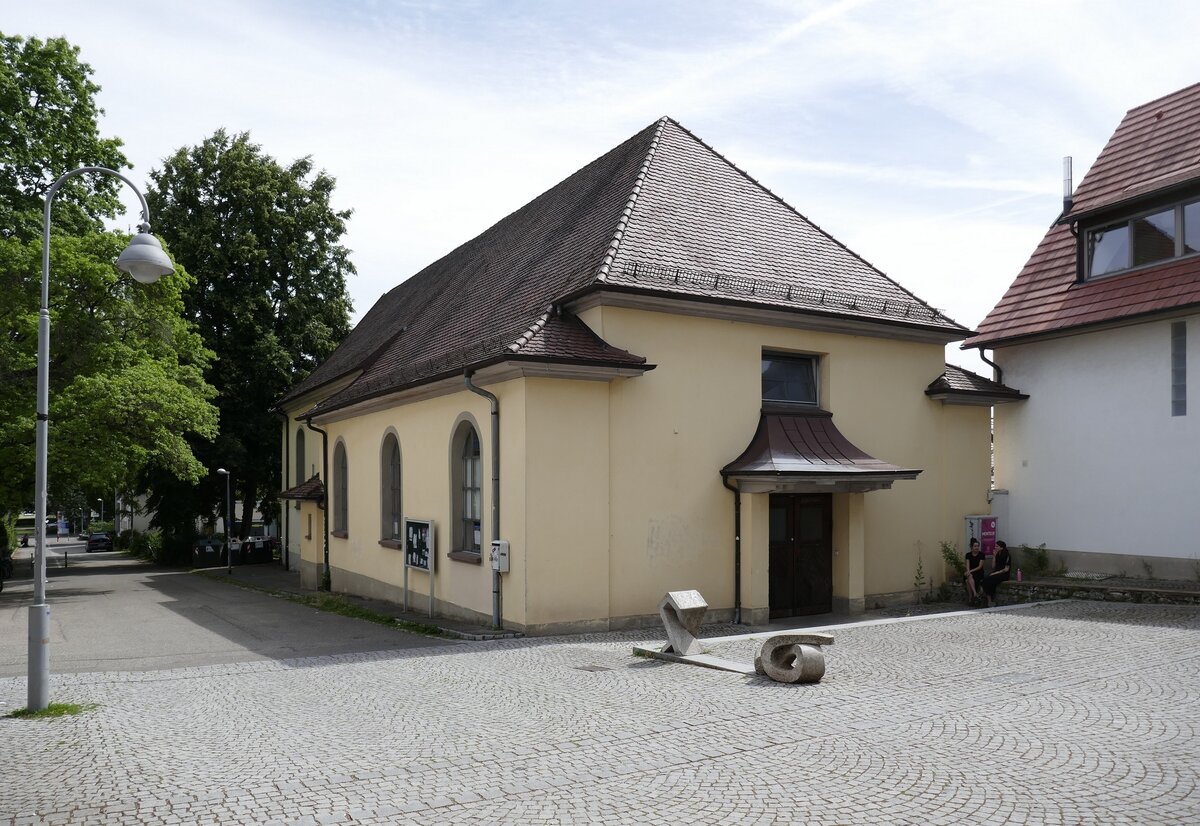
[1028, 591]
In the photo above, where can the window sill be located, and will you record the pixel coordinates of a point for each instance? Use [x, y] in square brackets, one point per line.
[472, 557]
[339, 534]
[392, 543]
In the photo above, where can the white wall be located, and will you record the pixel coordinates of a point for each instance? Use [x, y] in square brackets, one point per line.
[1093, 460]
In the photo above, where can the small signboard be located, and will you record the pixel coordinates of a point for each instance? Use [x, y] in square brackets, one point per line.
[420, 546]
[983, 528]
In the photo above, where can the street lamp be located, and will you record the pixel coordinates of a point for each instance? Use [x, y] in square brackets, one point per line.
[145, 260]
[101, 501]
[228, 520]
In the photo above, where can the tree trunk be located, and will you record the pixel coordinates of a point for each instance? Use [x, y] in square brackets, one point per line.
[249, 496]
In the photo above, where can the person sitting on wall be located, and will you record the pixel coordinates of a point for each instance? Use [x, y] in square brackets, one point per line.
[973, 578]
[1000, 568]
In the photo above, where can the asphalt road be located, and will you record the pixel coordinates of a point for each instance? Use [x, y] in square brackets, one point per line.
[111, 613]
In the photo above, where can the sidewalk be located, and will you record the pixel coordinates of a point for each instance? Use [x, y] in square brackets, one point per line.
[272, 577]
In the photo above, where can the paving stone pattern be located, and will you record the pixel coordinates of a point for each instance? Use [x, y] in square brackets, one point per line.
[1063, 713]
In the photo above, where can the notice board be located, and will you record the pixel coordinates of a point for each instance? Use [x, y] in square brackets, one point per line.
[420, 546]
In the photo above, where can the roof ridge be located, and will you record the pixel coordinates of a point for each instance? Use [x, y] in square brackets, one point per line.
[1158, 100]
[805, 218]
[534, 329]
[623, 221]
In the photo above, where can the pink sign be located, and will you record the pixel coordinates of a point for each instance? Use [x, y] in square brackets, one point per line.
[987, 535]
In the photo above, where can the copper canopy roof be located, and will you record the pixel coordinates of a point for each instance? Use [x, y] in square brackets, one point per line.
[801, 451]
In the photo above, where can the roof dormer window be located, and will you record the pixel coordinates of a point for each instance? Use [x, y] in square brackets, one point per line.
[1143, 240]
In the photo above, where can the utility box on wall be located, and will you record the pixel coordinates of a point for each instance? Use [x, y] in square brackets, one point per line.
[500, 555]
[983, 528]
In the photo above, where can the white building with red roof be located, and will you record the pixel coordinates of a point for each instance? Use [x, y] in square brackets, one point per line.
[1099, 330]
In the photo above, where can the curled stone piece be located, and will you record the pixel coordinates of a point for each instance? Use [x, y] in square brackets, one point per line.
[682, 613]
[793, 658]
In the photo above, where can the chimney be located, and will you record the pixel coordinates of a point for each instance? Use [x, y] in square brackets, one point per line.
[1068, 186]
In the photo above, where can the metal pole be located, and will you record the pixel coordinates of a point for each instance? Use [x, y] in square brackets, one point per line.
[228, 519]
[229, 523]
[38, 682]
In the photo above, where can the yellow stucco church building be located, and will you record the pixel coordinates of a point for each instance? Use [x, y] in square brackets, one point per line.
[655, 376]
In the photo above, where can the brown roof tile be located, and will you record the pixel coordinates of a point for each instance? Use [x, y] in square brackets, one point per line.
[660, 212]
[311, 489]
[1157, 146]
[958, 381]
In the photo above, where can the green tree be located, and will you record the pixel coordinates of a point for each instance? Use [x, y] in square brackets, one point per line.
[126, 368]
[263, 242]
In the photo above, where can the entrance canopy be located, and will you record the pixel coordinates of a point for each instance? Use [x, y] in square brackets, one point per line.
[800, 450]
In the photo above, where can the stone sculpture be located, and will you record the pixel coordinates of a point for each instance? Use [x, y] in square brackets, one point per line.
[682, 613]
[793, 658]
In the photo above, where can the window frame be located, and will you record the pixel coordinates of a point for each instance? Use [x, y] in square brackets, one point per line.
[1179, 368]
[1178, 206]
[301, 474]
[812, 359]
[341, 490]
[466, 489]
[391, 491]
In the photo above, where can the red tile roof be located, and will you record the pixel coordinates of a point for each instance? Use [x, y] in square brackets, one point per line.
[312, 489]
[1155, 150]
[958, 382]
[661, 213]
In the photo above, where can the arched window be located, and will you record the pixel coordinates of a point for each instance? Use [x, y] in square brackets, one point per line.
[466, 489]
[389, 486]
[341, 490]
[301, 470]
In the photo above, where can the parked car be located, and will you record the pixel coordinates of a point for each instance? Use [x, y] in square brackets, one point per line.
[99, 542]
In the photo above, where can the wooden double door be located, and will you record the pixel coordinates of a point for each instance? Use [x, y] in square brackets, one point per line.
[801, 539]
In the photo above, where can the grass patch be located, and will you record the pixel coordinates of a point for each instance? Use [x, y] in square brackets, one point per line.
[337, 604]
[52, 710]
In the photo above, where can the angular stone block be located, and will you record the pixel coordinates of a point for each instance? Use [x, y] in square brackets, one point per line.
[793, 658]
[682, 614]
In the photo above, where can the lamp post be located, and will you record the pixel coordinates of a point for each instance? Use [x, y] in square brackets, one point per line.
[145, 260]
[228, 520]
[101, 501]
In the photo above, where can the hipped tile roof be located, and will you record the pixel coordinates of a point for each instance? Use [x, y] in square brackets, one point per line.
[661, 213]
[312, 489]
[1154, 151]
[960, 381]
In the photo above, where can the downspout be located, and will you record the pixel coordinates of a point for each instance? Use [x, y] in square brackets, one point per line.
[326, 581]
[737, 551]
[497, 622]
[996, 367]
[284, 516]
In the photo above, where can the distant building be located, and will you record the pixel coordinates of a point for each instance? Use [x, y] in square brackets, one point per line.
[695, 387]
[1099, 329]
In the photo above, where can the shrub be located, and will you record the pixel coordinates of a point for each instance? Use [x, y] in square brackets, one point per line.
[953, 558]
[1036, 560]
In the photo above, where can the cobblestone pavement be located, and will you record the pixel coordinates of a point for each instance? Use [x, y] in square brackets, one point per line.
[1062, 713]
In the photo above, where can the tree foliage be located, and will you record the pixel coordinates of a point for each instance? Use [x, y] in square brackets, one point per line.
[126, 368]
[263, 242]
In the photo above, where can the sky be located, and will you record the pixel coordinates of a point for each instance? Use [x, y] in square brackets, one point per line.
[927, 136]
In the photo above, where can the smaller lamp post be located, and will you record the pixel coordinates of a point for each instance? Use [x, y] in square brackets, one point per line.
[228, 522]
[101, 501]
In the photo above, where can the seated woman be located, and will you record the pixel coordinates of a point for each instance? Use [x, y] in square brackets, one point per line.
[1000, 567]
[973, 578]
